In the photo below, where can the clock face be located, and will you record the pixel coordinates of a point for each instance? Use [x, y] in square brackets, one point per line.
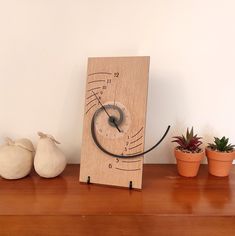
[103, 91]
[116, 112]
[116, 98]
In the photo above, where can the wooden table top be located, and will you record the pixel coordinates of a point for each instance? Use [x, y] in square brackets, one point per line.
[167, 204]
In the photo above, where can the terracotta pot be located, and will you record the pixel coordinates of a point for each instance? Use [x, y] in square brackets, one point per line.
[188, 163]
[219, 163]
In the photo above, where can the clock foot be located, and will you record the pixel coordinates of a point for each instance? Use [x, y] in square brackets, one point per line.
[88, 180]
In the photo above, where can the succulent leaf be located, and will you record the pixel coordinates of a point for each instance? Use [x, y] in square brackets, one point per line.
[221, 145]
[189, 142]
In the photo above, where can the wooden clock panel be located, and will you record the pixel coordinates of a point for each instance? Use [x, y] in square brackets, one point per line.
[122, 81]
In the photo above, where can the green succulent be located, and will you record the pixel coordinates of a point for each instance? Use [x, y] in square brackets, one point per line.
[221, 145]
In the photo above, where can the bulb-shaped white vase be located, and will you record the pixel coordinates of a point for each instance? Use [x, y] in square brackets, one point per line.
[49, 160]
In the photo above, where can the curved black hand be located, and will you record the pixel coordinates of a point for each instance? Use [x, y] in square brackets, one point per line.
[112, 119]
[118, 155]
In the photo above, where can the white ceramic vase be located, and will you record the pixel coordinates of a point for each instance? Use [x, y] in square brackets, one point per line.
[49, 160]
[16, 158]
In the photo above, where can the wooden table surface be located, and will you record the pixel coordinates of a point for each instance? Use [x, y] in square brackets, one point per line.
[167, 205]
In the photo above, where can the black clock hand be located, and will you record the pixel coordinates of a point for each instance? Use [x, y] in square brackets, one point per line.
[120, 155]
[112, 119]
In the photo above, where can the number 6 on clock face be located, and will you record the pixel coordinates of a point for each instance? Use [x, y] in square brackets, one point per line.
[115, 110]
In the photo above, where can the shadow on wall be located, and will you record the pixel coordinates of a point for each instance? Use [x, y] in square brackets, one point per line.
[167, 105]
[1, 140]
[208, 133]
[71, 128]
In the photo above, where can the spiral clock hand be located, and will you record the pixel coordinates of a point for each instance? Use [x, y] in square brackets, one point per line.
[111, 118]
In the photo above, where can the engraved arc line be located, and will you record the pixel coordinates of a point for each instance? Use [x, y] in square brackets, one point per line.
[91, 101]
[93, 89]
[137, 139]
[91, 107]
[137, 133]
[130, 154]
[131, 161]
[100, 73]
[135, 146]
[91, 95]
[128, 169]
[134, 153]
[94, 81]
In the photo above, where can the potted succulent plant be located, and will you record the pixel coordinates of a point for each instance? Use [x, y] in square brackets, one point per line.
[188, 153]
[220, 155]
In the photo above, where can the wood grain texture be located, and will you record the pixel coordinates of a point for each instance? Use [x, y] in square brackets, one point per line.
[167, 205]
[117, 225]
[115, 80]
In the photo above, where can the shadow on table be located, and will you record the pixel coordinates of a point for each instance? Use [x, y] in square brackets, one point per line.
[186, 192]
[50, 194]
[217, 191]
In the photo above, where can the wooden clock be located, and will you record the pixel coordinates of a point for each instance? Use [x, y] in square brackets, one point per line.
[114, 121]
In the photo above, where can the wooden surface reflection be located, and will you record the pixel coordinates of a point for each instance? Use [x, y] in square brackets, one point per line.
[46, 206]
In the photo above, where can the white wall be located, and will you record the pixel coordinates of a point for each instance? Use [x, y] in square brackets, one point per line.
[44, 45]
